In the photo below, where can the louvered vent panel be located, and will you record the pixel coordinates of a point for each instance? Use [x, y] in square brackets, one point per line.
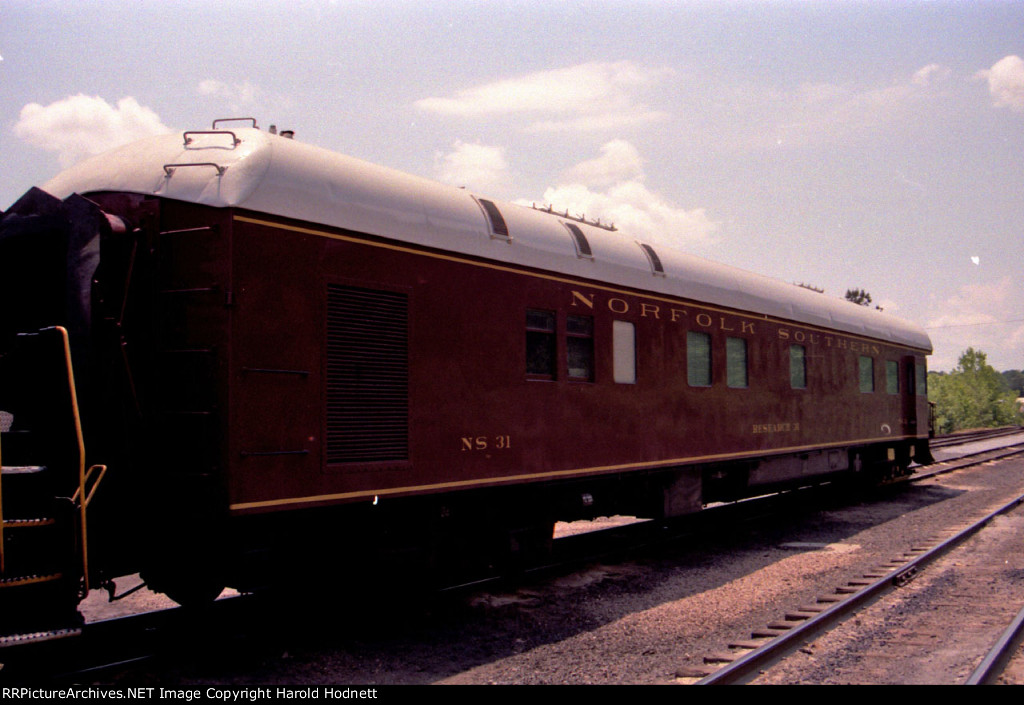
[498, 225]
[582, 246]
[367, 375]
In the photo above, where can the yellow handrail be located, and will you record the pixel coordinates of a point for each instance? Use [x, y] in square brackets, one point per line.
[80, 492]
[3, 566]
[102, 470]
[88, 481]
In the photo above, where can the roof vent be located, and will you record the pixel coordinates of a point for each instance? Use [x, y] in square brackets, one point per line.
[498, 227]
[583, 250]
[656, 267]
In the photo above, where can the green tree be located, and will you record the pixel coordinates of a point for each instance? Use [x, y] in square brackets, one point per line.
[1015, 381]
[973, 395]
[858, 296]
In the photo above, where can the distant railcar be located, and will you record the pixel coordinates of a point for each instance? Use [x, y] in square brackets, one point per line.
[229, 357]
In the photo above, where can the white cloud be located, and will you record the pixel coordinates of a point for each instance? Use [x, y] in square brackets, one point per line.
[974, 304]
[610, 188]
[1006, 83]
[830, 112]
[603, 122]
[590, 96]
[477, 166]
[931, 75]
[619, 161]
[81, 126]
[636, 211]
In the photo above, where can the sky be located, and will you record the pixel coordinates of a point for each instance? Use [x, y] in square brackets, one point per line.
[841, 145]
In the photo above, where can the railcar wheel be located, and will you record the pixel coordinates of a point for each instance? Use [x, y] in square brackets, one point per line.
[195, 591]
[191, 581]
[528, 546]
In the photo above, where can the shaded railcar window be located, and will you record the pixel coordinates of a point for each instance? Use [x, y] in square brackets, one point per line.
[892, 377]
[866, 373]
[698, 359]
[579, 345]
[367, 375]
[922, 380]
[624, 352]
[798, 367]
[736, 362]
[540, 344]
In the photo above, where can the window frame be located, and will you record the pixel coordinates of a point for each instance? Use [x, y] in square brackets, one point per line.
[536, 333]
[800, 359]
[579, 341]
[731, 343]
[705, 361]
[892, 377]
[624, 369]
[861, 360]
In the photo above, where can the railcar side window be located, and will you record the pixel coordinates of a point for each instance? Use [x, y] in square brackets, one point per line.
[892, 377]
[540, 343]
[624, 352]
[736, 362]
[798, 367]
[579, 345]
[698, 359]
[867, 373]
[922, 380]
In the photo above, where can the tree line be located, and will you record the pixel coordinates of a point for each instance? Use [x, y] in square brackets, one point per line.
[975, 395]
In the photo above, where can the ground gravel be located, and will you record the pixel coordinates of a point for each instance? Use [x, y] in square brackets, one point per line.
[648, 619]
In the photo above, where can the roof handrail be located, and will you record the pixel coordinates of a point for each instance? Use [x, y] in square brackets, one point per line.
[235, 120]
[581, 218]
[169, 168]
[188, 140]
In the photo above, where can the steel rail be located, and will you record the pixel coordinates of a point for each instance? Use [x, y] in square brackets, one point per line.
[994, 662]
[954, 439]
[570, 550]
[740, 670]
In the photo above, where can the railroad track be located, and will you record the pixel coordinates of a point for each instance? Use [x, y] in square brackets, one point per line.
[107, 645]
[961, 438]
[1001, 652]
[750, 659]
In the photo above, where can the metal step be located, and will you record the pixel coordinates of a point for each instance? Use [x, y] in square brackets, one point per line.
[37, 637]
[29, 523]
[23, 469]
[22, 580]
[40, 605]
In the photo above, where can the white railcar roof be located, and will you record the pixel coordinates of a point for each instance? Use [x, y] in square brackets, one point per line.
[267, 173]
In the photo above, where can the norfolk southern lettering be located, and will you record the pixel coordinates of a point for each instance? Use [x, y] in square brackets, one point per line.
[726, 322]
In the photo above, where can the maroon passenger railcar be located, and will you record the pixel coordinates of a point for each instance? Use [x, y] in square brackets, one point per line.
[289, 360]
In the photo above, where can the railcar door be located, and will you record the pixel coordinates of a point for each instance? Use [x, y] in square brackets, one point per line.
[909, 395]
